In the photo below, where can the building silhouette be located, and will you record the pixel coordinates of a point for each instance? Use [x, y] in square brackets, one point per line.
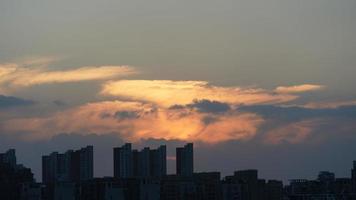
[158, 161]
[246, 185]
[185, 160]
[199, 186]
[123, 160]
[353, 176]
[326, 186]
[16, 181]
[143, 163]
[8, 157]
[148, 162]
[70, 166]
[141, 175]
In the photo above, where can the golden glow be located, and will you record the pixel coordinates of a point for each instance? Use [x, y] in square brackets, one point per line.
[167, 92]
[146, 111]
[148, 122]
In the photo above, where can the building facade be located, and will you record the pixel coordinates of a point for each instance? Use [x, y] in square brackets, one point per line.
[148, 162]
[8, 157]
[123, 161]
[70, 166]
[185, 160]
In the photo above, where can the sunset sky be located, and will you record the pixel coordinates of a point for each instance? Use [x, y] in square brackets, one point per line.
[253, 83]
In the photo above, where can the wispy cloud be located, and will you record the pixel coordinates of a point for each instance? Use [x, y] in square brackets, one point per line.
[35, 72]
[329, 104]
[299, 88]
[167, 92]
[300, 124]
[295, 132]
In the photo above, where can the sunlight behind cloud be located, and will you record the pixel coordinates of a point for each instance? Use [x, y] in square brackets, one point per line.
[134, 121]
[168, 92]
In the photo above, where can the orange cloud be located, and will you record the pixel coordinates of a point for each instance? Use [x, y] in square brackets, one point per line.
[298, 88]
[295, 132]
[80, 74]
[167, 92]
[135, 121]
[34, 72]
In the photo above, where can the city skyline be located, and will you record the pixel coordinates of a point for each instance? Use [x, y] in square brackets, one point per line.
[77, 165]
[137, 166]
[138, 175]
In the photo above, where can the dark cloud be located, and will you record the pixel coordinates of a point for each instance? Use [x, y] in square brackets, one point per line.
[177, 107]
[299, 125]
[59, 103]
[209, 120]
[205, 106]
[299, 113]
[9, 101]
[105, 115]
[209, 106]
[122, 115]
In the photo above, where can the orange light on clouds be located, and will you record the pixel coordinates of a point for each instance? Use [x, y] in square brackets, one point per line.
[143, 109]
[295, 132]
[146, 121]
[167, 93]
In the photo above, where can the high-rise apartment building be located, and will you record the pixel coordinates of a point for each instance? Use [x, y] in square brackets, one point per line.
[145, 163]
[123, 160]
[353, 171]
[158, 161]
[185, 160]
[8, 157]
[69, 166]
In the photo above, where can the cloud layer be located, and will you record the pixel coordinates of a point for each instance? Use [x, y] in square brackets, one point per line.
[167, 109]
[200, 121]
[167, 92]
[135, 121]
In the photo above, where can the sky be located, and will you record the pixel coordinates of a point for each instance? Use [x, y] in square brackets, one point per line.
[253, 83]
